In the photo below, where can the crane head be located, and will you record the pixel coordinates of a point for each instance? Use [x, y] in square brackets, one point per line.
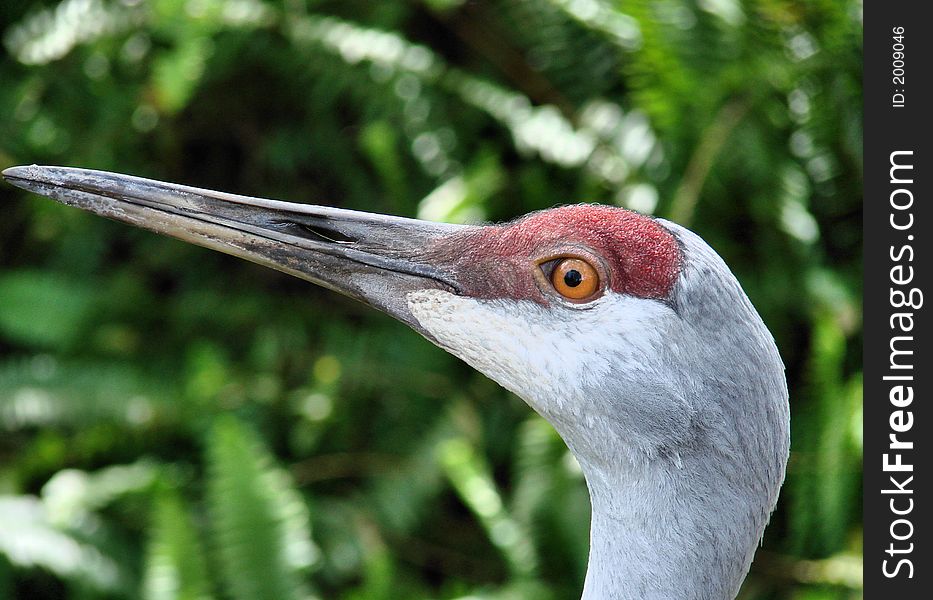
[628, 333]
[602, 319]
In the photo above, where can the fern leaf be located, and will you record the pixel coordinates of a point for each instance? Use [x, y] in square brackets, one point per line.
[260, 523]
[175, 567]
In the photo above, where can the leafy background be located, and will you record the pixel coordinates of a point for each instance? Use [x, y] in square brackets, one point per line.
[179, 424]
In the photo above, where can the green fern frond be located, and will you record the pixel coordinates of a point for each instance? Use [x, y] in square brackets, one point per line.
[175, 568]
[822, 482]
[542, 130]
[260, 524]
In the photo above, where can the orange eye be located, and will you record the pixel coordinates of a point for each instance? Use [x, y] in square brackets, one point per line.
[575, 279]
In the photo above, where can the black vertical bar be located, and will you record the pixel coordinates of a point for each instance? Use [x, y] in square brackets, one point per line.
[897, 368]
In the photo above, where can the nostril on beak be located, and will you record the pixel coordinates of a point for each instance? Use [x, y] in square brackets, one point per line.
[312, 231]
[327, 235]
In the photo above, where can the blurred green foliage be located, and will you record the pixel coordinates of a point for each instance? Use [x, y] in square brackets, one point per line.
[178, 424]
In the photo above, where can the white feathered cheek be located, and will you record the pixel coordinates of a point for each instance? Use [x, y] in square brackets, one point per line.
[541, 353]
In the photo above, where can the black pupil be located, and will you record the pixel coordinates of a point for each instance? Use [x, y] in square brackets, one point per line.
[573, 278]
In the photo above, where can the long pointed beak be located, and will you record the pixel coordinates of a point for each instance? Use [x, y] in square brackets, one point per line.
[374, 258]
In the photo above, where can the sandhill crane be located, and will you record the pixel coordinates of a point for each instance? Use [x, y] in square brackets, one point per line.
[627, 333]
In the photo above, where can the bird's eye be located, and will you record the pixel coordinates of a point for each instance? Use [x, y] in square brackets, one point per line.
[575, 279]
